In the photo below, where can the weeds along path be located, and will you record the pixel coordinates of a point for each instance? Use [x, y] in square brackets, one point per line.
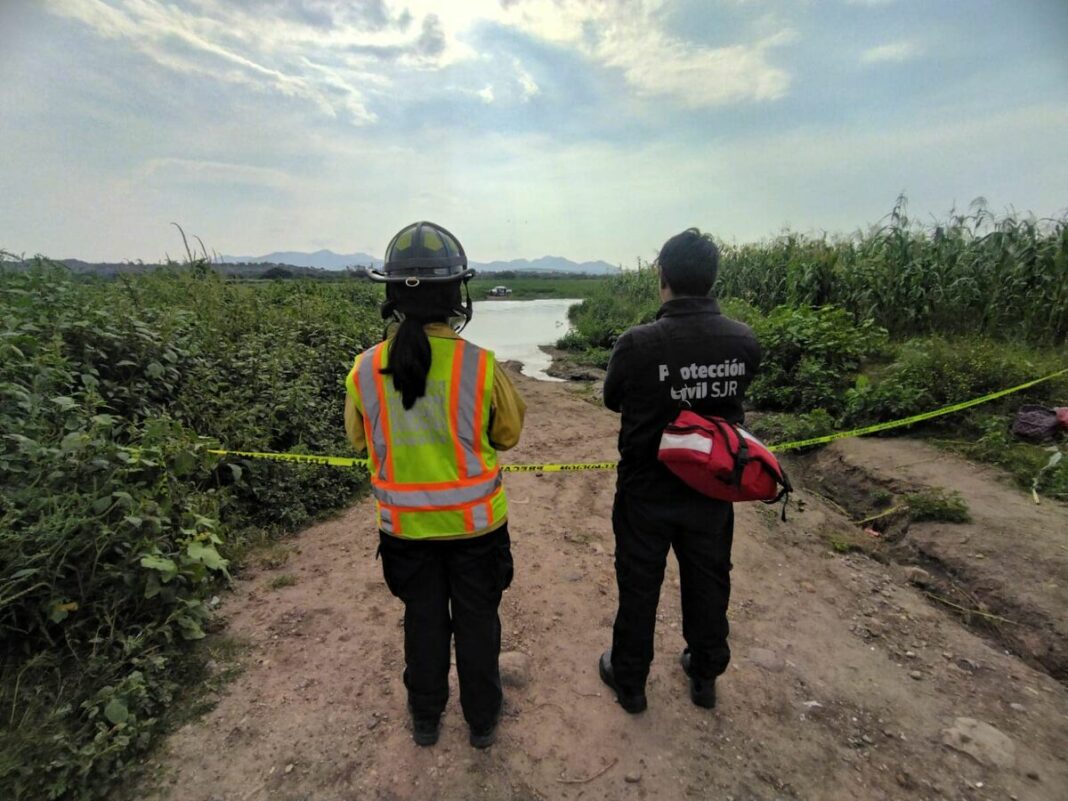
[814, 706]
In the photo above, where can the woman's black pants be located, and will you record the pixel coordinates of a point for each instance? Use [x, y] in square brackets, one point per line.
[451, 587]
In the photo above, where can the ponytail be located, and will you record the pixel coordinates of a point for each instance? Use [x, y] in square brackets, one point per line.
[409, 350]
[409, 361]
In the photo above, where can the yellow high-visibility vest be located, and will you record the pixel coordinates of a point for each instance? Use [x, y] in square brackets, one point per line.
[434, 473]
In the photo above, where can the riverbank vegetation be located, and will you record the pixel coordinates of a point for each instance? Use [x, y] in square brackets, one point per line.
[117, 528]
[526, 287]
[900, 320]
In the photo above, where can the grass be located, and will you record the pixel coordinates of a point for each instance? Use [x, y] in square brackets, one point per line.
[986, 437]
[274, 556]
[880, 497]
[284, 580]
[937, 505]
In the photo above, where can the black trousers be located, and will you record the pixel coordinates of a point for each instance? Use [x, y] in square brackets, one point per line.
[701, 532]
[451, 587]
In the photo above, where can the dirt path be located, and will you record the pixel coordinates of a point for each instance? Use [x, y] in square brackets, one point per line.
[844, 681]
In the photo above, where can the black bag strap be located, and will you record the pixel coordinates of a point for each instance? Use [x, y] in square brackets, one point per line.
[741, 456]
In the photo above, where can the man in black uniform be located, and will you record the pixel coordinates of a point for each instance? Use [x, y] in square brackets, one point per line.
[691, 355]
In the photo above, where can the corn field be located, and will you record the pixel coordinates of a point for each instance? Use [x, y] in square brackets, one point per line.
[974, 273]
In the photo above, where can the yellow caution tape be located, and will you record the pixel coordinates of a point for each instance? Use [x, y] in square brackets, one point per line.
[907, 421]
[557, 468]
[302, 458]
[343, 461]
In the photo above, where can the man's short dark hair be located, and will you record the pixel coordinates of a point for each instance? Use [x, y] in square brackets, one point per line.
[688, 263]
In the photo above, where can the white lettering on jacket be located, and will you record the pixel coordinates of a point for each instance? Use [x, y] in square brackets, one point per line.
[705, 389]
[727, 369]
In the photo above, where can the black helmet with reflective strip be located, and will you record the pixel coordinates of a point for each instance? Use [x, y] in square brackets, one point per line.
[423, 251]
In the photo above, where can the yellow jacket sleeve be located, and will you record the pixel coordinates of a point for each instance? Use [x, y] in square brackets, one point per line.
[354, 424]
[507, 410]
[353, 418]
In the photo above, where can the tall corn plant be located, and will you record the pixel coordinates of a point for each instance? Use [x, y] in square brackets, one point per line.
[973, 273]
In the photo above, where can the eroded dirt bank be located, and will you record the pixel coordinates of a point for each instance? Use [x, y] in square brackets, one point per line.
[1007, 566]
[847, 682]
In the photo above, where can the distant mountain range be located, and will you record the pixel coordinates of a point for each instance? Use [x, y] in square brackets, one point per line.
[328, 260]
[327, 265]
[323, 259]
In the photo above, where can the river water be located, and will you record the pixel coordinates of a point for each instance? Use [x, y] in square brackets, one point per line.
[514, 330]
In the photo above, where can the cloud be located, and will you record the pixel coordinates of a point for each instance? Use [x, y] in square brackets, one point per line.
[629, 36]
[337, 55]
[322, 53]
[169, 169]
[698, 77]
[527, 83]
[431, 41]
[892, 52]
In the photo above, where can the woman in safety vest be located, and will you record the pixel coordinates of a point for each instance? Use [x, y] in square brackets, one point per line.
[433, 410]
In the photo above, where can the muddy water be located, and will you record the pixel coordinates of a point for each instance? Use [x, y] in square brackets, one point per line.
[515, 329]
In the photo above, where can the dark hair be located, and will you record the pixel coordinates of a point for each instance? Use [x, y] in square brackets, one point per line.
[409, 350]
[688, 263]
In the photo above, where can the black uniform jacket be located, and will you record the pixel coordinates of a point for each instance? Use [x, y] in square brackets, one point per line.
[690, 353]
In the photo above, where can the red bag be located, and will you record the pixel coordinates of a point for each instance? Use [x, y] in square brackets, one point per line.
[722, 460]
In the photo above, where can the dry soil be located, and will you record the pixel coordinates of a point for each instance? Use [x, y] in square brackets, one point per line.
[849, 680]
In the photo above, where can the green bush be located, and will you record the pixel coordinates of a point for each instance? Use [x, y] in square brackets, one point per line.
[615, 305]
[116, 526]
[810, 357]
[572, 341]
[777, 428]
[594, 357]
[927, 374]
[738, 309]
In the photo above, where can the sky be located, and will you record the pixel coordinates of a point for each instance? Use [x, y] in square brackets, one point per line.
[590, 129]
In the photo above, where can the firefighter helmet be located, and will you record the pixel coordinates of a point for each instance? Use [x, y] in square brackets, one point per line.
[423, 251]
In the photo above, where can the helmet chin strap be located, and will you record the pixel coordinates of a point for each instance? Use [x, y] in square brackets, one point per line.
[465, 311]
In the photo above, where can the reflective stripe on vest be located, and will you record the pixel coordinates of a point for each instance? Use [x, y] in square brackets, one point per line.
[438, 496]
[375, 413]
[482, 515]
[467, 408]
[387, 520]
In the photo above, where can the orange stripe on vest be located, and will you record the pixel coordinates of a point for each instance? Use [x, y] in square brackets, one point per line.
[383, 403]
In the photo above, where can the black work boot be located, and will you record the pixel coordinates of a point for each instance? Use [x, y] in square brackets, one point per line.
[702, 691]
[425, 730]
[483, 738]
[486, 736]
[634, 703]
